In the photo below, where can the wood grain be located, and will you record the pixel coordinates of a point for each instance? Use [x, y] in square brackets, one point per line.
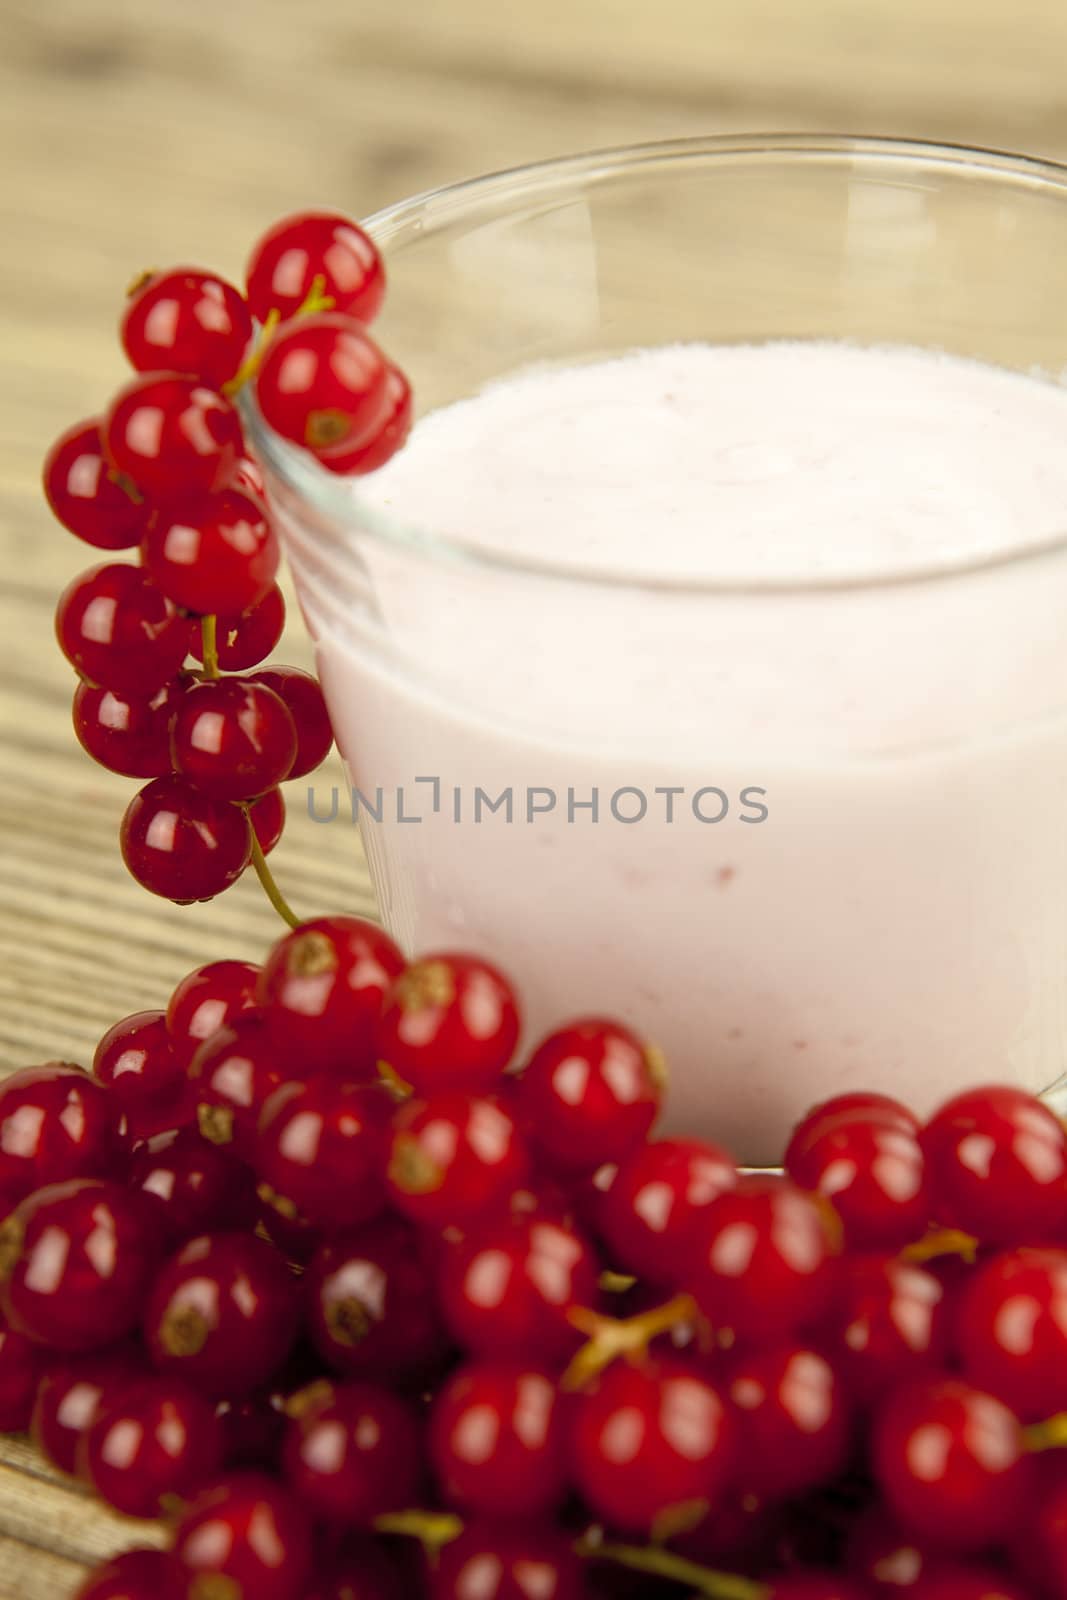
[138, 131]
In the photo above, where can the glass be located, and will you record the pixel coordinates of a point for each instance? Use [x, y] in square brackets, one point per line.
[899, 919]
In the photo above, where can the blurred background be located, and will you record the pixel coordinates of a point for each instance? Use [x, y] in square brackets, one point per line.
[158, 132]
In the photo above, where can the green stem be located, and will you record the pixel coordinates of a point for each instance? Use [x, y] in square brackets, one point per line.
[432, 1529]
[266, 878]
[660, 1563]
[1048, 1435]
[209, 648]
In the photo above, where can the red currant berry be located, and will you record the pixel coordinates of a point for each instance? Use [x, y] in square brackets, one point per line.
[196, 1183]
[217, 554]
[87, 495]
[890, 1322]
[159, 1439]
[22, 1366]
[393, 429]
[649, 1211]
[950, 1461]
[71, 1394]
[173, 436]
[309, 245]
[75, 1263]
[497, 1440]
[510, 1286]
[453, 1159]
[763, 1260]
[183, 844]
[323, 986]
[998, 1164]
[450, 1022]
[267, 816]
[509, 1561]
[135, 1575]
[207, 999]
[323, 384]
[873, 1174]
[123, 732]
[321, 1149]
[120, 631]
[302, 695]
[862, 1106]
[651, 1444]
[186, 321]
[371, 1307]
[55, 1123]
[352, 1452]
[233, 1075]
[246, 639]
[222, 1314]
[134, 1060]
[249, 1530]
[1011, 1325]
[590, 1093]
[232, 738]
[794, 1420]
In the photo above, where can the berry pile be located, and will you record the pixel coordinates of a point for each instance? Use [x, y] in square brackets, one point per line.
[166, 472]
[312, 1267]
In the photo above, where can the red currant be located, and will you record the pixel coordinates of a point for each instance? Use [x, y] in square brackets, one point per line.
[207, 999]
[233, 1075]
[187, 321]
[497, 1440]
[393, 428]
[450, 1022]
[71, 1394]
[998, 1164]
[890, 1323]
[21, 1369]
[247, 638]
[321, 1149]
[651, 1444]
[75, 1263]
[120, 631]
[453, 1159]
[303, 696]
[590, 1093]
[861, 1105]
[249, 1530]
[159, 1439]
[352, 1452]
[1012, 1330]
[794, 1420]
[873, 1174]
[509, 1561]
[194, 1182]
[173, 436]
[309, 245]
[124, 732]
[267, 815]
[87, 495]
[323, 384]
[135, 1575]
[654, 1201]
[55, 1123]
[323, 986]
[183, 844]
[216, 554]
[232, 738]
[134, 1060]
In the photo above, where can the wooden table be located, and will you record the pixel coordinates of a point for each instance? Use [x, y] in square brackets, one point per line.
[151, 133]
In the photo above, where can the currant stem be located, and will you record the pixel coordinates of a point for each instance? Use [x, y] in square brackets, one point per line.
[209, 646]
[252, 363]
[433, 1529]
[608, 1338]
[266, 878]
[1051, 1434]
[661, 1563]
[943, 1242]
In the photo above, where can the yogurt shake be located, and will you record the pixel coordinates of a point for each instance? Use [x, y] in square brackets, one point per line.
[766, 644]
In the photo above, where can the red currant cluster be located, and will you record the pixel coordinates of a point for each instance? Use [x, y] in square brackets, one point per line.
[167, 472]
[305, 1266]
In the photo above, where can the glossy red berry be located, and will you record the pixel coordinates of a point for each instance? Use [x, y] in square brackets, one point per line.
[654, 1201]
[207, 999]
[222, 1314]
[194, 1183]
[135, 1575]
[267, 815]
[309, 245]
[183, 844]
[450, 1022]
[950, 1461]
[323, 384]
[1011, 1328]
[124, 732]
[303, 696]
[509, 1561]
[71, 1394]
[371, 1303]
[873, 1173]
[56, 1122]
[453, 1159]
[861, 1105]
[245, 639]
[232, 738]
[75, 1263]
[187, 321]
[890, 1322]
[510, 1286]
[322, 989]
[352, 1452]
[394, 425]
[216, 554]
[120, 631]
[498, 1440]
[793, 1420]
[651, 1443]
[134, 1060]
[173, 436]
[250, 1530]
[321, 1149]
[22, 1366]
[762, 1263]
[87, 495]
[158, 1439]
[998, 1165]
[590, 1093]
[233, 1075]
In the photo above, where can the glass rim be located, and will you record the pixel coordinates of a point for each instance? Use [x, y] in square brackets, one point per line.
[339, 499]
